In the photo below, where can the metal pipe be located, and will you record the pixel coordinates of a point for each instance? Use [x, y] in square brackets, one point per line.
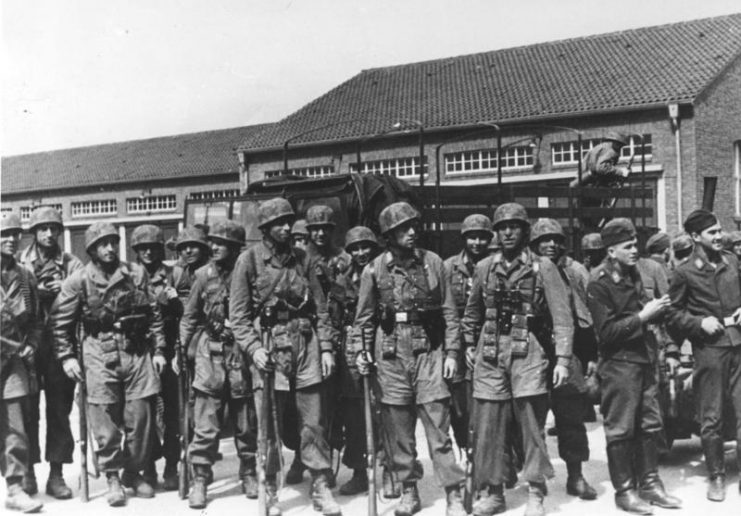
[421, 155]
[499, 167]
[643, 181]
[674, 113]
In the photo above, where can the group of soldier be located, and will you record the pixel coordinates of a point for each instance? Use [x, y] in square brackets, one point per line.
[280, 335]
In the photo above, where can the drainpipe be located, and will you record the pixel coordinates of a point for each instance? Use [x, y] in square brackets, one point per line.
[244, 175]
[674, 115]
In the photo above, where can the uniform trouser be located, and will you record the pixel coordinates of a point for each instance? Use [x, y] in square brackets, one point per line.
[497, 424]
[459, 411]
[332, 407]
[630, 405]
[401, 421]
[717, 384]
[15, 456]
[569, 411]
[208, 412]
[352, 412]
[314, 448]
[123, 433]
[170, 446]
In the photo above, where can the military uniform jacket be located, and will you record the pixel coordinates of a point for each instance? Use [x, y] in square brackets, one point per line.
[460, 269]
[615, 298]
[219, 363]
[171, 309]
[544, 289]
[60, 266]
[21, 324]
[699, 290]
[263, 278]
[345, 293]
[327, 268]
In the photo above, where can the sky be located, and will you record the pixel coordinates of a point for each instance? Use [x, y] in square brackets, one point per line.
[85, 72]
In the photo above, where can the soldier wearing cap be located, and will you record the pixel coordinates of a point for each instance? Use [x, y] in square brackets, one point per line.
[682, 247]
[600, 163]
[406, 309]
[276, 296]
[477, 235]
[21, 332]
[517, 302]
[569, 402]
[148, 242]
[221, 377]
[705, 300]
[657, 249]
[628, 350]
[121, 322]
[592, 250]
[50, 265]
[735, 237]
[299, 234]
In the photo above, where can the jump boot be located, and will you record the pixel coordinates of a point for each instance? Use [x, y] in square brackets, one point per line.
[115, 496]
[18, 500]
[410, 502]
[576, 484]
[490, 501]
[357, 484]
[150, 474]
[390, 488]
[170, 476]
[454, 502]
[55, 485]
[135, 481]
[321, 495]
[295, 473]
[620, 463]
[651, 487]
[197, 496]
[716, 464]
[29, 484]
[535, 495]
[271, 501]
[248, 477]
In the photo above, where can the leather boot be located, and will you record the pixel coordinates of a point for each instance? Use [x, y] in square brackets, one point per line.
[271, 498]
[115, 496]
[197, 496]
[651, 487]
[535, 495]
[248, 477]
[716, 464]
[321, 495]
[295, 473]
[150, 475]
[576, 484]
[490, 501]
[356, 485]
[620, 463]
[390, 488]
[454, 505]
[55, 485]
[18, 500]
[29, 484]
[170, 476]
[410, 502]
[135, 481]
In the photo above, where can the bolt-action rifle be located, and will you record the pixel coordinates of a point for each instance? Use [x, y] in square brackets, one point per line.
[184, 411]
[370, 444]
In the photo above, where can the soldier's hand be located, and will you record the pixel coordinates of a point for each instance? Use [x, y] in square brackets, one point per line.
[53, 286]
[560, 376]
[262, 360]
[327, 364]
[672, 364]
[450, 367]
[711, 325]
[363, 364]
[72, 369]
[737, 316]
[591, 368]
[171, 293]
[26, 352]
[654, 308]
[175, 367]
[470, 357]
[160, 363]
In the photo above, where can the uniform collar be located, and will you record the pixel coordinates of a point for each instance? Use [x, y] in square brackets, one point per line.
[700, 260]
[619, 274]
[392, 259]
[32, 253]
[269, 252]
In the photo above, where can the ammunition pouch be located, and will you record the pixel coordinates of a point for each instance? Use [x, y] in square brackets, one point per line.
[281, 313]
[94, 325]
[512, 328]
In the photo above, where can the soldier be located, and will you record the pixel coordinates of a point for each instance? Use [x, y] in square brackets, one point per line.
[274, 283]
[628, 353]
[657, 249]
[19, 304]
[569, 403]
[406, 307]
[735, 237]
[477, 235]
[148, 242]
[120, 319]
[221, 376]
[518, 300]
[682, 247]
[50, 265]
[592, 250]
[193, 253]
[705, 300]
[300, 235]
[600, 162]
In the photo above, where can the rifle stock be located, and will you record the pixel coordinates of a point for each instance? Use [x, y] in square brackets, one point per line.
[184, 410]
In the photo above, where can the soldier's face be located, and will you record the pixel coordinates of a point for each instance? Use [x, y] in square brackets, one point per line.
[150, 254]
[299, 241]
[9, 242]
[106, 250]
[47, 235]
[321, 235]
[192, 254]
[220, 251]
[280, 231]
[550, 246]
[626, 253]
[511, 235]
[710, 238]
[477, 242]
[360, 253]
[405, 235]
[737, 248]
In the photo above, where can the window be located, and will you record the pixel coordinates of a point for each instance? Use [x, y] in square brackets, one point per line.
[634, 148]
[151, 204]
[317, 171]
[485, 160]
[26, 210]
[564, 153]
[87, 208]
[399, 167]
[213, 194]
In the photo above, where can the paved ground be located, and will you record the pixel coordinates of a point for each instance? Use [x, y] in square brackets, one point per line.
[682, 472]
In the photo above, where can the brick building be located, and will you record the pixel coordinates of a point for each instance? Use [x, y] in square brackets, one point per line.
[676, 88]
[128, 183]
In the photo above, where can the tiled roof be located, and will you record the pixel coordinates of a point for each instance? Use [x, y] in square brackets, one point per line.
[621, 70]
[170, 157]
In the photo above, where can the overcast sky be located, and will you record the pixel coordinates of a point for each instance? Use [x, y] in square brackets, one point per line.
[83, 72]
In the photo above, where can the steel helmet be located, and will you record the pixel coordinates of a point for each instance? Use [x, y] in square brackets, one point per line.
[360, 234]
[299, 228]
[147, 234]
[45, 215]
[11, 221]
[510, 211]
[97, 231]
[735, 237]
[319, 215]
[274, 209]
[681, 242]
[476, 222]
[395, 215]
[544, 227]
[592, 242]
[617, 137]
[227, 230]
[191, 235]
